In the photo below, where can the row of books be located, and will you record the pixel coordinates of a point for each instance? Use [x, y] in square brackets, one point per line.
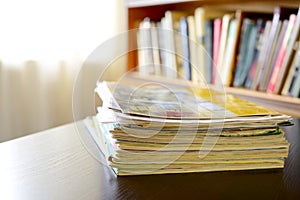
[154, 128]
[258, 51]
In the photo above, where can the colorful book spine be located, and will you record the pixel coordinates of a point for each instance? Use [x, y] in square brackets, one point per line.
[260, 27]
[248, 37]
[216, 44]
[229, 54]
[208, 40]
[277, 48]
[289, 54]
[270, 40]
[267, 63]
[294, 86]
[281, 55]
[222, 48]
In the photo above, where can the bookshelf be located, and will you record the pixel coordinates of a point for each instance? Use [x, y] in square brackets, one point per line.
[155, 10]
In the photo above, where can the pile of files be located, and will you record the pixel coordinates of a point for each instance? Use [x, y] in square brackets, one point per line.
[159, 129]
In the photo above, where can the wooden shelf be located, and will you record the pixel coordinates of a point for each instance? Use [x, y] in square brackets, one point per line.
[151, 3]
[144, 3]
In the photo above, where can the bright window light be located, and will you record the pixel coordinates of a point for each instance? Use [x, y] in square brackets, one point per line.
[54, 29]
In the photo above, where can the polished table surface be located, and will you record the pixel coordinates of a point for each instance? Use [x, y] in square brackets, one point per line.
[63, 163]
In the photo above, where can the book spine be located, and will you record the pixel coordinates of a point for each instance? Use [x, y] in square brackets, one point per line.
[216, 44]
[155, 49]
[162, 46]
[185, 48]
[145, 55]
[289, 54]
[170, 53]
[267, 63]
[208, 40]
[291, 75]
[281, 55]
[227, 69]
[241, 57]
[223, 40]
[195, 73]
[270, 40]
[199, 17]
[294, 87]
[260, 27]
[277, 48]
[260, 58]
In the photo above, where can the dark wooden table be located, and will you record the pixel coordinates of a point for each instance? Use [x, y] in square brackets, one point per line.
[63, 163]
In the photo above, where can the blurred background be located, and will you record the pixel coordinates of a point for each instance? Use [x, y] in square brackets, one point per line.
[43, 44]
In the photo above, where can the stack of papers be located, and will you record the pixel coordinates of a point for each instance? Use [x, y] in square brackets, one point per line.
[158, 129]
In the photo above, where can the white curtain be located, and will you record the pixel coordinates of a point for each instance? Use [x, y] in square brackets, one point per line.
[42, 47]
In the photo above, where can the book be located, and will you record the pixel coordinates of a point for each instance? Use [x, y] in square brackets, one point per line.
[253, 17]
[143, 131]
[155, 100]
[247, 44]
[162, 46]
[266, 67]
[136, 154]
[195, 71]
[226, 71]
[293, 72]
[223, 40]
[260, 27]
[144, 45]
[208, 44]
[169, 24]
[278, 13]
[277, 48]
[280, 65]
[293, 80]
[203, 27]
[216, 44]
[155, 48]
[261, 56]
[232, 43]
[230, 59]
[170, 68]
[170, 43]
[289, 54]
[185, 52]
